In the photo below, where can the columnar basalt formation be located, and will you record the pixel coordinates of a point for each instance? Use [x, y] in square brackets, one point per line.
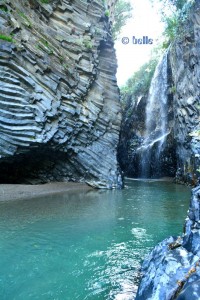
[184, 61]
[59, 101]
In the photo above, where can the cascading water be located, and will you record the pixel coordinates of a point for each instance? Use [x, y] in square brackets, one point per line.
[156, 122]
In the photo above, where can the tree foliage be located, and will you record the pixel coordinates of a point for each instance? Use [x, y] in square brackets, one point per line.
[139, 83]
[174, 15]
[121, 14]
[178, 4]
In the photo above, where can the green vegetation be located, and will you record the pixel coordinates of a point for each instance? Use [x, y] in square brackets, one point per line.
[45, 1]
[174, 15]
[87, 43]
[178, 4]
[4, 8]
[6, 38]
[107, 13]
[139, 83]
[173, 89]
[121, 14]
[26, 20]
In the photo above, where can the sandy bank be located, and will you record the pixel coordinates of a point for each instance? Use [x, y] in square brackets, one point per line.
[21, 191]
[170, 179]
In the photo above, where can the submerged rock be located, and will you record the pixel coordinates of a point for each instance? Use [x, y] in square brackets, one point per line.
[172, 270]
[59, 101]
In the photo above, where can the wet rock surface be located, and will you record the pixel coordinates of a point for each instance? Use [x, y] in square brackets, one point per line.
[59, 102]
[142, 151]
[132, 130]
[172, 270]
[181, 155]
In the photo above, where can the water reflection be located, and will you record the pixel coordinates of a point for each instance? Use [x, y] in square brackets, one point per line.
[85, 244]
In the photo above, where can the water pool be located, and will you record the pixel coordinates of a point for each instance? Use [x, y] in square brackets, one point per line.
[85, 244]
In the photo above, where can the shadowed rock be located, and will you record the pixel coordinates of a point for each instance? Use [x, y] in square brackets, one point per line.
[172, 270]
[59, 101]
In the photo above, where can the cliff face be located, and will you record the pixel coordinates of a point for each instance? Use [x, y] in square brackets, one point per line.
[172, 270]
[184, 61]
[147, 139]
[180, 154]
[131, 135]
[59, 104]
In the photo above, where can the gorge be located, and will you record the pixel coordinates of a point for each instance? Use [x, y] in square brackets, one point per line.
[61, 120]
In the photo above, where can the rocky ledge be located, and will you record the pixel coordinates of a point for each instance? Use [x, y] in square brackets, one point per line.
[172, 270]
[59, 101]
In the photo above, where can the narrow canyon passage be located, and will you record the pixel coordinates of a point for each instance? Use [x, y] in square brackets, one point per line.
[66, 120]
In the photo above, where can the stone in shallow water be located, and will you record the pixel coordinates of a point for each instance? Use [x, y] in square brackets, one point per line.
[173, 266]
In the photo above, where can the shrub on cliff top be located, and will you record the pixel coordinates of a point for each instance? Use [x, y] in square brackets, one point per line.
[174, 15]
[122, 13]
[139, 83]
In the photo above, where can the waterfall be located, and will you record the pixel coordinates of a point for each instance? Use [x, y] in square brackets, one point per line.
[156, 130]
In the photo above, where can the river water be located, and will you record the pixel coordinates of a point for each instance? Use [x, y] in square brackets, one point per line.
[85, 244]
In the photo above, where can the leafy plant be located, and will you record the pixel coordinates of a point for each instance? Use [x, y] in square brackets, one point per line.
[6, 38]
[173, 89]
[107, 13]
[122, 13]
[140, 82]
[178, 4]
[87, 43]
[171, 27]
[174, 15]
[45, 1]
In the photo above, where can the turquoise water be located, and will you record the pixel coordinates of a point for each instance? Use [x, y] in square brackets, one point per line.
[85, 244]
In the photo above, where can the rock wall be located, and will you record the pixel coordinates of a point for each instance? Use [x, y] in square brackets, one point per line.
[185, 61]
[59, 101]
[133, 137]
[172, 270]
[132, 131]
[181, 156]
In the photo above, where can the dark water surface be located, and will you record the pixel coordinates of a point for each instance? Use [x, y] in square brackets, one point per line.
[85, 244]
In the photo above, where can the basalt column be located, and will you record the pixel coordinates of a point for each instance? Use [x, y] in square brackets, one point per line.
[59, 101]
